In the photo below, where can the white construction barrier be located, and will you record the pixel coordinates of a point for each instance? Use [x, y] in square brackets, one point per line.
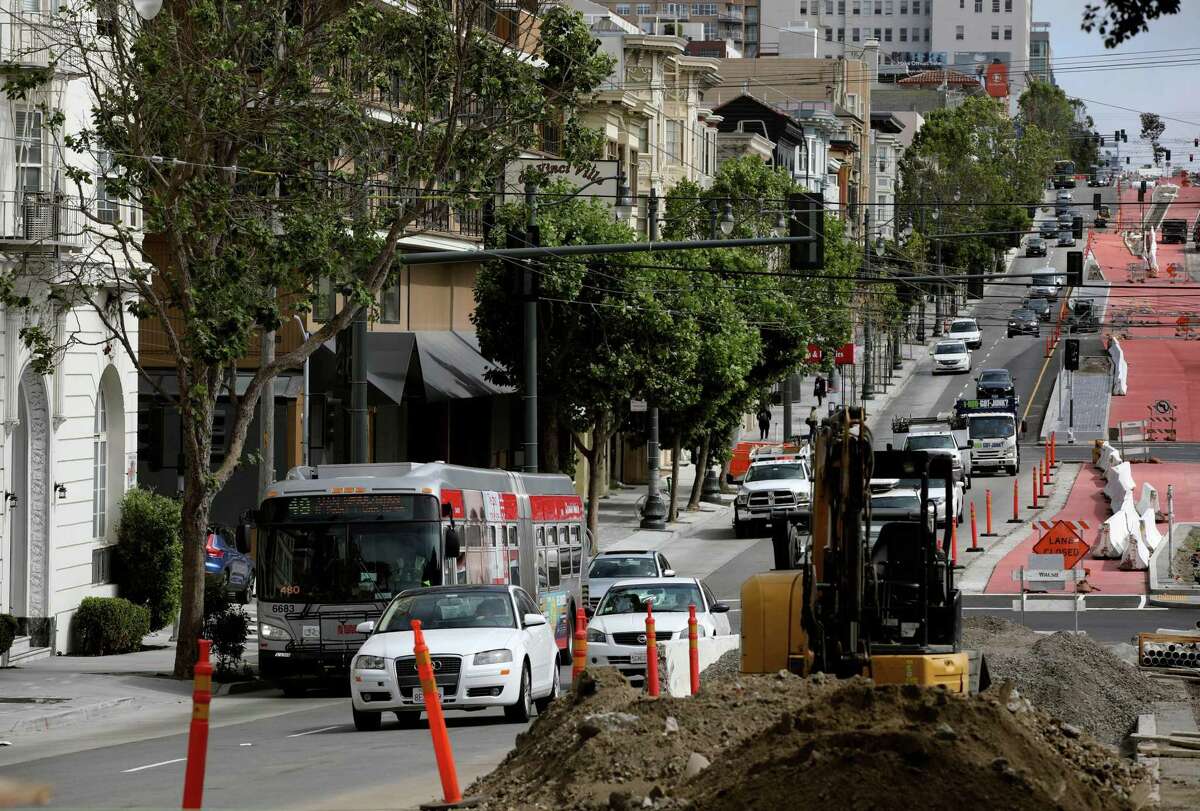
[1120, 486]
[1150, 533]
[1120, 367]
[1148, 500]
[1102, 454]
[1136, 557]
[1109, 456]
[1115, 535]
[673, 655]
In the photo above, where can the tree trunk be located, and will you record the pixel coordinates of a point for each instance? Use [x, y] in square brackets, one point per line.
[701, 471]
[551, 463]
[673, 506]
[595, 458]
[733, 441]
[193, 532]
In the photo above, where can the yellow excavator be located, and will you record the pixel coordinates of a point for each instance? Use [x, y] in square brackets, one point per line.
[845, 600]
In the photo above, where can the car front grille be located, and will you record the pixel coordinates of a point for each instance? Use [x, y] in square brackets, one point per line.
[446, 671]
[631, 637]
[773, 498]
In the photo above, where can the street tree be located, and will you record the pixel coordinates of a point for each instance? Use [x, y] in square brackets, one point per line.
[1153, 128]
[1064, 119]
[1121, 20]
[269, 146]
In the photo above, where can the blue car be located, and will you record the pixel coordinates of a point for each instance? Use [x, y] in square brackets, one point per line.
[232, 567]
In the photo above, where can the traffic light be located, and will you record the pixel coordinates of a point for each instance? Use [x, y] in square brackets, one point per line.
[1127, 160]
[1167, 152]
[1071, 359]
[1124, 137]
[1141, 190]
[1074, 268]
[1196, 142]
[1077, 226]
[808, 220]
[1116, 135]
[1096, 201]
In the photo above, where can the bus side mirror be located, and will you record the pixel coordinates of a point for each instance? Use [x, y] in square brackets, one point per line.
[453, 547]
[241, 539]
[447, 510]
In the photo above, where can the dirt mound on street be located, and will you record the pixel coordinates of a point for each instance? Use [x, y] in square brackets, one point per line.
[1068, 676]
[781, 741]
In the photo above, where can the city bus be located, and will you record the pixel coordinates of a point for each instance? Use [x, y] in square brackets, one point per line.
[1064, 174]
[335, 543]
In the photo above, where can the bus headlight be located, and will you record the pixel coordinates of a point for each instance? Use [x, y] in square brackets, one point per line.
[272, 632]
[369, 663]
[493, 657]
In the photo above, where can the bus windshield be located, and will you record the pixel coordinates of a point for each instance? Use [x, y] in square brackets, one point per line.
[991, 427]
[348, 562]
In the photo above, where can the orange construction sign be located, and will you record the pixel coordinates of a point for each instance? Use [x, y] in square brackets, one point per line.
[1062, 539]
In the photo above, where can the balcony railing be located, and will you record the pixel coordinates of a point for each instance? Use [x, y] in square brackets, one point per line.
[733, 13]
[33, 219]
[25, 41]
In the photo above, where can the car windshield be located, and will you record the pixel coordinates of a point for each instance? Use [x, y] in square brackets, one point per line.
[952, 348]
[665, 598]
[995, 379]
[925, 442]
[623, 567]
[759, 473]
[443, 609]
[964, 326]
[348, 563]
[905, 501]
[1043, 280]
[991, 427]
[1023, 315]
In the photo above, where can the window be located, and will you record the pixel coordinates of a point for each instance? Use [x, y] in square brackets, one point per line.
[978, 6]
[803, 7]
[102, 565]
[675, 138]
[31, 6]
[855, 34]
[879, 6]
[878, 33]
[1008, 32]
[391, 304]
[325, 300]
[887, 35]
[710, 31]
[995, 6]
[704, 9]
[28, 126]
[916, 6]
[1008, 6]
[903, 6]
[995, 32]
[841, 35]
[107, 210]
[842, 7]
[889, 7]
[829, 35]
[623, 9]
[904, 35]
[962, 4]
[643, 8]
[856, 7]
[958, 32]
[828, 6]
[926, 35]
[99, 469]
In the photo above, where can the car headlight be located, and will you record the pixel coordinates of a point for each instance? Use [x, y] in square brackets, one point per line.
[272, 632]
[493, 657]
[596, 635]
[369, 663]
[742, 497]
[801, 496]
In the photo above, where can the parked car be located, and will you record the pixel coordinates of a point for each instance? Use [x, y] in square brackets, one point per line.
[490, 647]
[1036, 246]
[616, 565]
[617, 630]
[228, 565]
[967, 331]
[951, 356]
[995, 383]
[1023, 322]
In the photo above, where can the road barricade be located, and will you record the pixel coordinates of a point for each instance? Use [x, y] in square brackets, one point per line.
[1119, 530]
[675, 658]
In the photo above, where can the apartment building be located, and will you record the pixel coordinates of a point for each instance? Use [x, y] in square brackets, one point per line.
[736, 23]
[843, 27]
[977, 34]
[1041, 60]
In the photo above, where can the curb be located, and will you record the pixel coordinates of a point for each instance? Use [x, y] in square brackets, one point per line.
[235, 688]
[68, 717]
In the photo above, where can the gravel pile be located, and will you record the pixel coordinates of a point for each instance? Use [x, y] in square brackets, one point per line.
[729, 666]
[1069, 676]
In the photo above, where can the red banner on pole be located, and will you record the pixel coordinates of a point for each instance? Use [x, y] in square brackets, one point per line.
[844, 354]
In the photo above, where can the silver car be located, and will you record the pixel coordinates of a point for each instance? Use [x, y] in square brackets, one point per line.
[623, 564]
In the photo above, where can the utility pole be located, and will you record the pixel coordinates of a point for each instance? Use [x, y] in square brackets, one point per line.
[654, 513]
[868, 389]
[359, 451]
[937, 288]
[710, 490]
[528, 289]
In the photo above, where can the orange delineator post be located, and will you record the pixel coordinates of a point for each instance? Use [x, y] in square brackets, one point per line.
[437, 721]
[1034, 474]
[693, 649]
[975, 547]
[1016, 519]
[651, 653]
[953, 540]
[1053, 448]
[579, 654]
[987, 526]
[197, 755]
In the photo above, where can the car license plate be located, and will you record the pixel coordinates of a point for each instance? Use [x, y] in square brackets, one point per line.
[637, 657]
[419, 695]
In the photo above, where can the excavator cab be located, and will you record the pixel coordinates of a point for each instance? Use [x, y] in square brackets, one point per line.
[844, 603]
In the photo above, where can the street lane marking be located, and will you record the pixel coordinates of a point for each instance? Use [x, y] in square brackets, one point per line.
[1038, 382]
[315, 731]
[154, 765]
[1089, 608]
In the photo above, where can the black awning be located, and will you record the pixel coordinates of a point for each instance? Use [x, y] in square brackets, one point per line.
[452, 367]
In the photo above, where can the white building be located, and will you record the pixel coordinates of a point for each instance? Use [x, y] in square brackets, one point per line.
[891, 134]
[68, 446]
[970, 34]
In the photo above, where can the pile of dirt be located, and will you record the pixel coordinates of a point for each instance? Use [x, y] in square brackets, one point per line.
[785, 742]
[1068, 676]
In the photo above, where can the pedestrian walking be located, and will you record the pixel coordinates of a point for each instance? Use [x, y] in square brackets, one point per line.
[812, 425]
[764, 422]
[820, 387]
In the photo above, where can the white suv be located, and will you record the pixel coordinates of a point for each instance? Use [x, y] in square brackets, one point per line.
[774, 487]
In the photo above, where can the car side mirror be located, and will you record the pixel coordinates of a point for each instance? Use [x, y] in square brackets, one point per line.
[589, 612]
[970, 444]
[531, 620]
[453, 546]
[668, 572]
[719, 608]
[365, 627]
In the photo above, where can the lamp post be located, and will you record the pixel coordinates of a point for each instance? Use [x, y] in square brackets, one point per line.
[710, 490]
[937, 289]
[654, 513]
[529, 305]
[868, 387]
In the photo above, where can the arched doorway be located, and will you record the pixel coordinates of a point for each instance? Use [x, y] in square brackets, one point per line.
[30, 558]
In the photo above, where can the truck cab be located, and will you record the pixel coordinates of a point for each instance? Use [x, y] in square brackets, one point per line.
[991, 426]
[938, 443]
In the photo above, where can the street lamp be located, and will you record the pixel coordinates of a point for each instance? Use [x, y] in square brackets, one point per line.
[781, 224]
[727, 219]
[625, 202]
[147, 9]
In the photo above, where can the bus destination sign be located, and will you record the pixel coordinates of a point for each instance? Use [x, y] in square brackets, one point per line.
[396, 506]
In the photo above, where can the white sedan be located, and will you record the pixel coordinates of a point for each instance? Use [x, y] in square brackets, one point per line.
[617, 630]
[951, 356]
[490, 646]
